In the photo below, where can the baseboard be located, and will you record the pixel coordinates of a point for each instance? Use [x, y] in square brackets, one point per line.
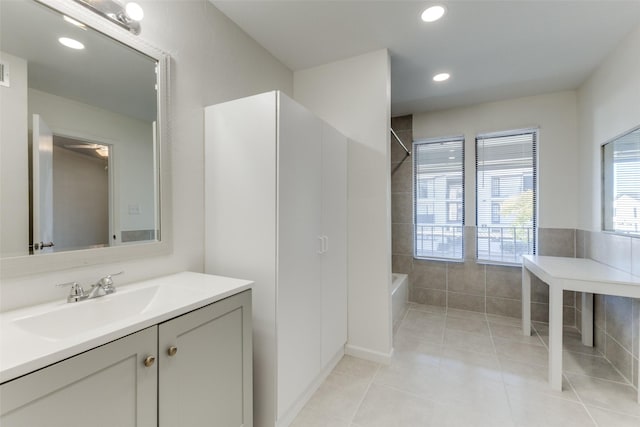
[295, 409]
[368, 354]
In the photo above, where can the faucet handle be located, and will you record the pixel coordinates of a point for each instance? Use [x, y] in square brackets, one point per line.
[107, 283]
[77, 291]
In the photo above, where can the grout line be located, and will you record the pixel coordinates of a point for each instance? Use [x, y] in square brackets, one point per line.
[364, 395]
[580, 399]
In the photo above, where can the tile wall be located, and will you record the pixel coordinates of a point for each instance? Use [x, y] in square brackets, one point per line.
[616, 318]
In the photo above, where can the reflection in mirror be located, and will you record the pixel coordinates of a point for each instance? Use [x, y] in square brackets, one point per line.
[78, 130]
[621, 184]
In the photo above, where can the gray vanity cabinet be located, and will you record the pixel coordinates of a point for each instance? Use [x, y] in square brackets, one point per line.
[205, 364]
[106, 386]
[201, 375]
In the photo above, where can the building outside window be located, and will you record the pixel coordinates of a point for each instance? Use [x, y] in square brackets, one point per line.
[506, 196]
[439, 198]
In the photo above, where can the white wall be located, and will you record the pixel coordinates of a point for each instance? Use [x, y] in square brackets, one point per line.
[212, 61]
[132, 155]
[608, 105]
[554, 114]
[14, 172]
[353, 95]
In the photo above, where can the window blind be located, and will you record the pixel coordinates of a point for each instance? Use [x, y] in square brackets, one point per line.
[621, 184]
[438, 183]
[506, 195]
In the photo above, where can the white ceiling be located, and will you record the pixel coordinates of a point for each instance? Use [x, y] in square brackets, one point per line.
[493, 49]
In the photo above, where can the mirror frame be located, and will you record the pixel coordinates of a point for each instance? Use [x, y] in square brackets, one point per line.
[42, 263]
[603, 200]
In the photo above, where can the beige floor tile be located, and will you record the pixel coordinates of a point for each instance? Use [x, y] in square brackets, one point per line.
[592, 366]
[464, 314]
[386, 407]
[513, 333]
[461, 416]
[428, 308]
[474, 326]
[504, 320]
[527, 353]
[405, 375]
[470, 365]
[606, 394]
[339, 395]
[547, 411]
[525, 379]
[444, 375]
[423, 325]
[468, 341]
[310, 417]
[356, 367]
[408, 340]
[606, 418]
[572, 341]
[473, 394]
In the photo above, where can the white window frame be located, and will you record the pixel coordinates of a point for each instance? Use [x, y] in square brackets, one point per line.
[534, 236]
[448, 232]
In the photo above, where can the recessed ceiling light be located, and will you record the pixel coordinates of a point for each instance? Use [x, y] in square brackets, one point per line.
[441, 77]
[74, 22]
[433, 13]
[71, 43]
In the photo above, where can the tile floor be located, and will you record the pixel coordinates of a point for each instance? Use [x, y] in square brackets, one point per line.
[459, 368]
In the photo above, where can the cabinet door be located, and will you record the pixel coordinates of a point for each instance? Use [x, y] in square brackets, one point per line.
[334, 226]
[299, 244]
[208, 380]
[107, 386]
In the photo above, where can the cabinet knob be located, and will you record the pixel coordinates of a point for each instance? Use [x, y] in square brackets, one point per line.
[149, 361]
[172, 350]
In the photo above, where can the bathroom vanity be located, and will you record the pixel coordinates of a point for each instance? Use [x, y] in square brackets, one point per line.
[173, 351]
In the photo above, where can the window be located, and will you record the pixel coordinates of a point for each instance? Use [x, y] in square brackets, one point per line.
[495, 212]
[506, 195]
[438, 198]
[621, 184]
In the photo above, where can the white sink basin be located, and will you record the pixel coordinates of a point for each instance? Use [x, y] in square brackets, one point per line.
[72, 318]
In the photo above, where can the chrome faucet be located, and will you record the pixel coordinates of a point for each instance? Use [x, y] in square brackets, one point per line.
[104, 286]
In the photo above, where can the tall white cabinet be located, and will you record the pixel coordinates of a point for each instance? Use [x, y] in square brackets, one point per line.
[276, 213]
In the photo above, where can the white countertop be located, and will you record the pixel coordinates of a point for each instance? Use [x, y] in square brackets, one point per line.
[582, 274]
[22, 351]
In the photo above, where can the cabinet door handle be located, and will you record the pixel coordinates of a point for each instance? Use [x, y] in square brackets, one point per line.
[326, 243]
[149, 360]
[171, 351]
[321, 239]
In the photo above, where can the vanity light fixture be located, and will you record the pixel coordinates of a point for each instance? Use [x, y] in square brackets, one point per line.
[71, 43]
[128, 15]
[433, 13]
[102, 151]
[441, 77]
[74, 22]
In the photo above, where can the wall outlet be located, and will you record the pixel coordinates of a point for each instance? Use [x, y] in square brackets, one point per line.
[134, 209]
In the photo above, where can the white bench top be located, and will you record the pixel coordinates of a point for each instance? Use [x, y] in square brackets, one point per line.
[579, 274]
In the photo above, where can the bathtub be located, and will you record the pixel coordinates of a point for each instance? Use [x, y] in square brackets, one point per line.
[399, 297]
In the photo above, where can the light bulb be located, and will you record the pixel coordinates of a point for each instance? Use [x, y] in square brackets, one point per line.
[134, 11]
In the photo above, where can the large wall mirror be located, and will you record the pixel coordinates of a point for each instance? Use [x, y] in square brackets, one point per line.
[621, 184]
[82, 124]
